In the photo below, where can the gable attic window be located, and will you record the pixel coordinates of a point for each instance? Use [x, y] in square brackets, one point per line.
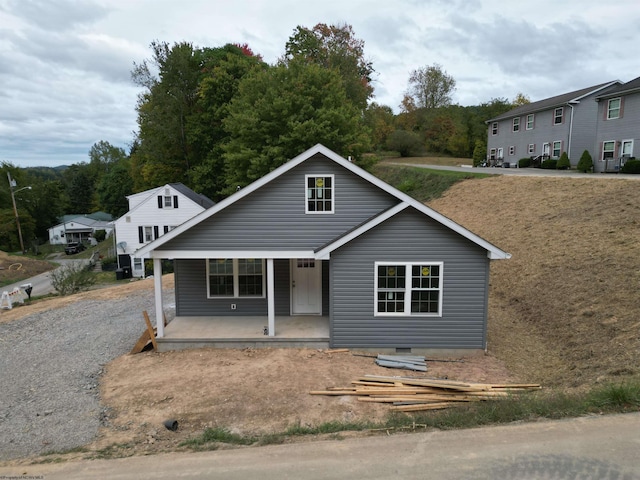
[319, 194]
[408, 289]
[516, 124]
[235, 277]
[558, 115]
[494, 128]
[613, 109]
[167, 201]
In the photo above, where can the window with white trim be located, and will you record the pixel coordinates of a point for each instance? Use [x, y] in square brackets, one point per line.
[235, 277]
[532, 148]
[627, 148]
[557, 149]
[494, 128]
[530, 119]
[137, 264]
[512, 150]
[492, 154]
[613, 108]
[408, 289]
[148, 234]
[557, 115]
[608, 149]
[319, 193]
[516, 124]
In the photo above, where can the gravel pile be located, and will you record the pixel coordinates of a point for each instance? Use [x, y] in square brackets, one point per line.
[50, 366]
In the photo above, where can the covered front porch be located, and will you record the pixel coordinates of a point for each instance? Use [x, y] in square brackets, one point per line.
[311, 331]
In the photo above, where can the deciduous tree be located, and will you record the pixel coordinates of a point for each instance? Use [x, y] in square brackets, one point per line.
[431, 87]
[281, 111]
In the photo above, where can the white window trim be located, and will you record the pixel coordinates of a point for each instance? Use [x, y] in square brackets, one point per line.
[553, 149]
[530, 121]
[626, 142]
[515, 124]
[138, 264]
[236, 284]
[494, 128]
[531, 148]
[609, 117]
[148, 238]
[333, 194]
[408, 289]
[512, 150]
[556, 116]
[613, 152]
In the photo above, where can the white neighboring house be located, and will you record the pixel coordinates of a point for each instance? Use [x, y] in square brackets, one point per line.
[151, 214]
[80, 228]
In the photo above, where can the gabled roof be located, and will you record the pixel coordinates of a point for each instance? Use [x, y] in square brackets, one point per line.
[99, 216]
[632, 86]
[406, 201]
[553, 102]
[196, 198]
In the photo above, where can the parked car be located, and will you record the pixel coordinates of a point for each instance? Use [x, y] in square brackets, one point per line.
[73, 247]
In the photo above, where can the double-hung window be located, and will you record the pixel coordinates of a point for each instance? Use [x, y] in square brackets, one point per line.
[532, 148]
[408, 289]
[613, 109]
[557, 115]
[235, 277]
[608, 149]
[494, 128]
[319, 194]
[516, 124]
[530, 119]
[557, 149]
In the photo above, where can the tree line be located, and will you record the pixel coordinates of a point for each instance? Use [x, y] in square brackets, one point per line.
[219, 118]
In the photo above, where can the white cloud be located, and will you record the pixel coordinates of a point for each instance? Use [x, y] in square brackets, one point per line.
[65, 64]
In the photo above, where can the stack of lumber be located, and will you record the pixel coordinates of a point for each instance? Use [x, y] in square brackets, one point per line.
[407, 362]
[416, 394]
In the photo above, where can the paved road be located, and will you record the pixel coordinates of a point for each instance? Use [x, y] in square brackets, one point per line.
[527, 172]
[597, 448]
[41, 284]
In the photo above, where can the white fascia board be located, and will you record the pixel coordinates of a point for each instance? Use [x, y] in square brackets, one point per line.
[325, 252]
[494, 252]
[243, 192]
[197, 254]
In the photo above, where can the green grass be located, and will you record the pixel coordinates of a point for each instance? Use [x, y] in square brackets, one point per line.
[552, 404]
[423, 184]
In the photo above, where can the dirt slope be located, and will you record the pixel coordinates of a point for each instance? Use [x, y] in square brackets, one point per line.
[564, 309]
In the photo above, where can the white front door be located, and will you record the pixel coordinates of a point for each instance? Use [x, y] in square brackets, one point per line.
[306, 286]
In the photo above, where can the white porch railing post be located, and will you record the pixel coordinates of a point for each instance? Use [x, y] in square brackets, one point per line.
[157, 288]
[271, 308]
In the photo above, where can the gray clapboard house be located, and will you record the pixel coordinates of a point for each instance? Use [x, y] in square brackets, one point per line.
[320, 252]
[618, 130]
[546, 128]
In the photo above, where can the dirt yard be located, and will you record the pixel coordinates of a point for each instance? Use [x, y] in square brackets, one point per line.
[563, 312]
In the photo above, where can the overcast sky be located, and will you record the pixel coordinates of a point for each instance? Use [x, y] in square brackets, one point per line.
[65, 64]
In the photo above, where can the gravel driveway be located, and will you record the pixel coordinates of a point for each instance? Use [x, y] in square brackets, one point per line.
[50, 364]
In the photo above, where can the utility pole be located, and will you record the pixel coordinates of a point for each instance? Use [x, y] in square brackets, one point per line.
[12, 184]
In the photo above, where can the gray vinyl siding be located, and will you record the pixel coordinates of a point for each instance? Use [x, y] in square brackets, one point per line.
[581, 129]
[627, 127]
[191, 292]
[273, 217]
[411, 237]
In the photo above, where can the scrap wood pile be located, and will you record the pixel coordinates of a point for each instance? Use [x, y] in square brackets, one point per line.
[416, 394]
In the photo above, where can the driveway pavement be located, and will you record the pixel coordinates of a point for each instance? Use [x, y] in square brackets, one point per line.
[597, 448]
[527, 172]
[41, 284]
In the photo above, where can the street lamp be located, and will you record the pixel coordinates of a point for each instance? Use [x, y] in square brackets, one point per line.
[12, 184]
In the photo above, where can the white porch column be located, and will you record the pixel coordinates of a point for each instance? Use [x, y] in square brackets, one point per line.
[157, 289]
[271, 308]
